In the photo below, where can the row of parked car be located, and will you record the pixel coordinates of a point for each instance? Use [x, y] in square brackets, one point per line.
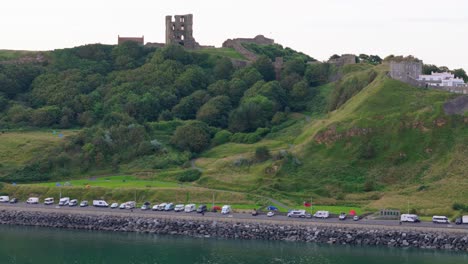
[436, 219]
[66, 201]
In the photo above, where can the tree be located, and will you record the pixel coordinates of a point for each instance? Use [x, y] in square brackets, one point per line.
[317, 74]
[220, 87]
[193, 136]
[460, 73]
[249, 75]
[223, 69]
[265, 67]
[187, 107]
[215, 112]
[253, 113]
[46, 116]
[295, 66]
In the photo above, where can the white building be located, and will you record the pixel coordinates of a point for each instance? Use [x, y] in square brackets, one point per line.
[444, 79]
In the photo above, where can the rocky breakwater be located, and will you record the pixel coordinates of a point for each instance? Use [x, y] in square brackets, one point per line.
[203, 228]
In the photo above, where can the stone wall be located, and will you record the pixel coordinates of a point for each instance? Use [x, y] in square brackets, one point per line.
[237, 45]
[343, 60]
[235, 229]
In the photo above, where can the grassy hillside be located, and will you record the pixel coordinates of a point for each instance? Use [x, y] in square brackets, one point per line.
[223, 52]
[146, 122]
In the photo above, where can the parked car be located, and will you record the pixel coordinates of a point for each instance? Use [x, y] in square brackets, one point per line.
[130, 205]
[146, 206]
[459, 221]
[189, 208]
[297, 213]
[412, 218]
[271, 213]
[169, 207]
[356, 218]
[179, 208]
[122, 205]
[226, 209]
[4, 199]
[13, 200]
[254, 212]
[162, 206]
[215, 209]
[64, 201]
[84, 203]
[436, 219]
[202, 208]
[155, 207]
[49, 201]
[32, 200]
[114, 205]
[322, 214]
[342, 216]
[73, 202]
[100, 203]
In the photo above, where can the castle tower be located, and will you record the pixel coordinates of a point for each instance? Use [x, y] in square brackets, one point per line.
[180, 31]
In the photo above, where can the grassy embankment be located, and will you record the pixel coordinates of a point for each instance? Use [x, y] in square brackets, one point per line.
[389, 144]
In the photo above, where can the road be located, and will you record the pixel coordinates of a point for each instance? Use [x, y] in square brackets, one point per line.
[238, 217]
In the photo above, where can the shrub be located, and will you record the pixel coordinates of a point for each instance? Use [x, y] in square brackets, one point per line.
[221, 137]
[262, 153]
[193, 136]
[189, 175]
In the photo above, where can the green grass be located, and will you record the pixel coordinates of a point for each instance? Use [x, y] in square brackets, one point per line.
[18, 148]
[223, 52]
[115, 182]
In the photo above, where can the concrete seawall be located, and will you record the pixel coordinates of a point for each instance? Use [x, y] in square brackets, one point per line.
[456, 240]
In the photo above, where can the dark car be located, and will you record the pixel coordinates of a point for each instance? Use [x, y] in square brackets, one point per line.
[255, 212]
[202, 209]
[13, 200]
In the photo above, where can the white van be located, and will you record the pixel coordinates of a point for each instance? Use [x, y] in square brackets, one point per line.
[190, 208]
[179, 208]
[297, 213]
[321, 214]
[49, 201]
[100, 203]
[440, 219]
[226, 209]
[64, 201]
[412, 218]
[32, 200]
[162, 206]
[4, 199]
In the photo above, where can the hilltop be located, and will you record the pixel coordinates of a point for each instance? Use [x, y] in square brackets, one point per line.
[341, 135]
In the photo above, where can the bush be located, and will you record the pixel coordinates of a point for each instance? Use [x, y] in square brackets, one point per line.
[189, 176]
[193, 136]
[250, 138]
[221, 137]
[262, 153]
[460, 207]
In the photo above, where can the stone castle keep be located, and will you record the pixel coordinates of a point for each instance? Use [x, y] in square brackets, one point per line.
[180, 31]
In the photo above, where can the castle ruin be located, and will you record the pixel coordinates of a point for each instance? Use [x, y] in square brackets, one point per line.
[180, 31]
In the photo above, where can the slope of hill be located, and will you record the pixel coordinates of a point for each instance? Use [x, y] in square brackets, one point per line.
[172, 116]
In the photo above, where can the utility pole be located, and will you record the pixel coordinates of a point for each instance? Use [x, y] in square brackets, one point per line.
[408, 207]
[213, 203]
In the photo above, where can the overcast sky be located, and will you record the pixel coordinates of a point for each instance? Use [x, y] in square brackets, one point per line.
[435, 31]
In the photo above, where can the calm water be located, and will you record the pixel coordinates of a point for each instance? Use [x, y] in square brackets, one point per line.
[42, 245]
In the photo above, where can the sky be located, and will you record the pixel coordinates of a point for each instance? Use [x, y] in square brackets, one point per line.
[432, 30]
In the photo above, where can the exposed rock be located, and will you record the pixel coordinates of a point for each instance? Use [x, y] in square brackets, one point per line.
[247, 231]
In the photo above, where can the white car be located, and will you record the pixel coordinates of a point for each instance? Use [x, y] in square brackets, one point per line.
[4, 199]
[342, 216]
[130, 205]
[179, 208]
[412, 218]
[32, 200]
[73, 202]
[155, 207]
[114, 205]
[226, 209]
[84, 203]
[122, 206]
[100, 203]
[49, 201]
[270, 214]
[297, 213]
